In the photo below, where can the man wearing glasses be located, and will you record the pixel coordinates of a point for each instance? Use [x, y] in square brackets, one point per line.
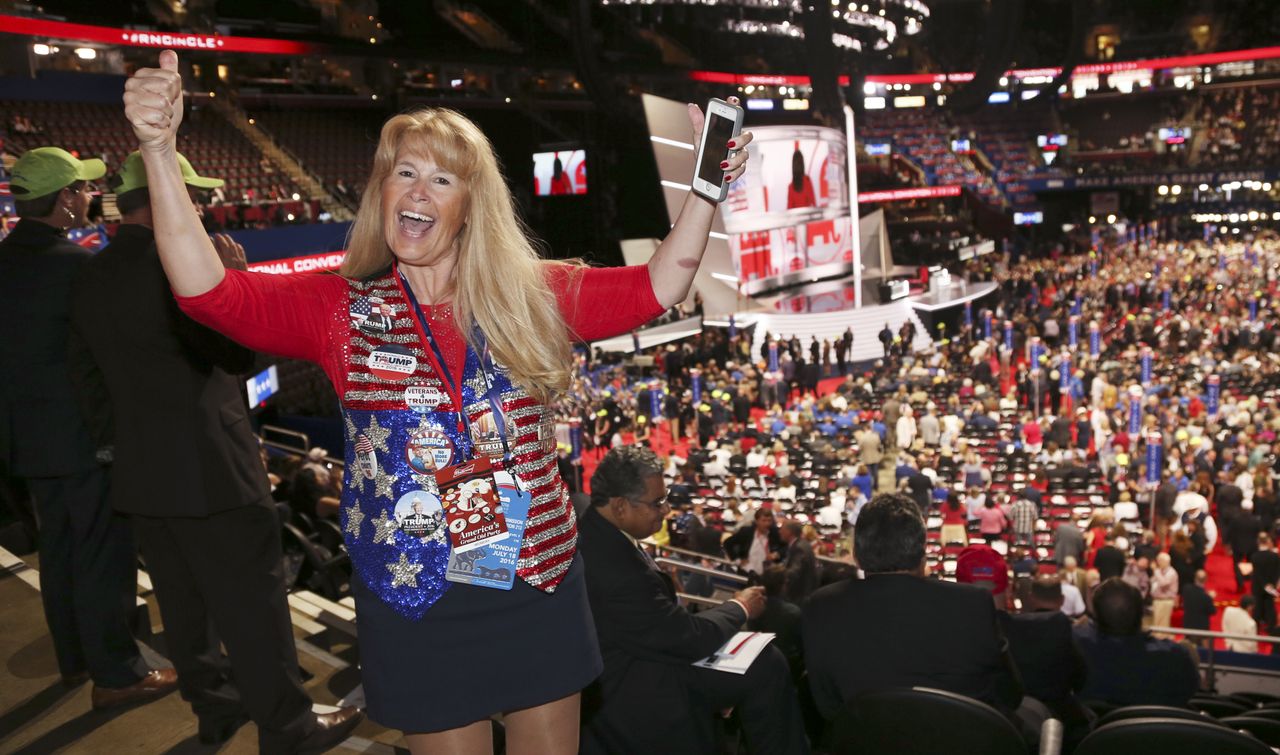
[650, 697]
[87, 567]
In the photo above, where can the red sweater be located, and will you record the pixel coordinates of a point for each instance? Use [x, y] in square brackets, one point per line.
[305, 316]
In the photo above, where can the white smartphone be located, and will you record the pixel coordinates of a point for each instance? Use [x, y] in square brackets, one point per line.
[724, 122]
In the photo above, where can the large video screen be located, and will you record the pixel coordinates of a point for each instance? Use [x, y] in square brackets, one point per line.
[788, 216]
[560, 173]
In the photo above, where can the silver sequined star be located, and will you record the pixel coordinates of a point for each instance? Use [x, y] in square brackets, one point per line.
[385, 528]
[382, 484]
[404, 572]
[425, 481]
[378, 435]
[357, 478]
[355, 517]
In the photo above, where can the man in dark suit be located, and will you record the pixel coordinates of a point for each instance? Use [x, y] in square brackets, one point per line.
[1198, 606]
[1110, 561]
[1229, 499]
[1263, 582]
[1128, 666]
[758, 544]
[188, 471]
[781, 617]
[1242, 538]
[886, 339]
[1045, 651]
[801, 563]
[88, 575]
[898, 629]
[650, 697]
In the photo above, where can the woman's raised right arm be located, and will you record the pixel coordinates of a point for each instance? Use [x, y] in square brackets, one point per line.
[284, 315]
[153, 105]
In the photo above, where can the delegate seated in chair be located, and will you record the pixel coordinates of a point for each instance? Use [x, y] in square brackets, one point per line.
[1128, 666]
[651, 698]
[896, 628]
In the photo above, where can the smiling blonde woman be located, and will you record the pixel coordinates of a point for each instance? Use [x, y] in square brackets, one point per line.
[445, 337]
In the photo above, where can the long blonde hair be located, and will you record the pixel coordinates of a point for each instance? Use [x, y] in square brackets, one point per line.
[499, 280]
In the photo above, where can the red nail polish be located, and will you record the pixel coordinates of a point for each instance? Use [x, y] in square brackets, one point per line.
[724, 164]
[731, 144]
[726, 179]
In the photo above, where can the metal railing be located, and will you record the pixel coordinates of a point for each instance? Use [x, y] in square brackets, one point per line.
[688, 553]
[705, 571]
[297, 452]
[730, 562]
[274, 430]
[1211, 666]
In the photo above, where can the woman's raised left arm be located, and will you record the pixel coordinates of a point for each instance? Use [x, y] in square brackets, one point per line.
[676, 261]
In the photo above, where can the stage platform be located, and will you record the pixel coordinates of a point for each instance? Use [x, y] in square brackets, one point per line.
[951, 296]
[652, 336]
[824, 309]
[38, 715]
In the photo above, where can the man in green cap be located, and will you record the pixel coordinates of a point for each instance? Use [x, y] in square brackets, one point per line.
[188, 473]
[88, 578]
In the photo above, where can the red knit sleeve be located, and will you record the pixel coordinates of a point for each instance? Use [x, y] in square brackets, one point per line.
[602, 302]
[286, 315]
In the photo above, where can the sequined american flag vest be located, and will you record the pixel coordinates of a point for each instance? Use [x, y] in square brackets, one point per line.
[400, 425]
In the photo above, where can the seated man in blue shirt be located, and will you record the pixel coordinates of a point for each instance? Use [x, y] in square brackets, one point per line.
[1128, 666]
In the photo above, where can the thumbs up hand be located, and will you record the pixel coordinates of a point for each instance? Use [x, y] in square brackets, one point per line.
[153, 104]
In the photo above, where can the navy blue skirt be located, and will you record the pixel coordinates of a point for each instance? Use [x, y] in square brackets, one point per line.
[477, 652]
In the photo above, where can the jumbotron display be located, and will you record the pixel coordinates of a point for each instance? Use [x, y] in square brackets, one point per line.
[559, 173]
[787, 218]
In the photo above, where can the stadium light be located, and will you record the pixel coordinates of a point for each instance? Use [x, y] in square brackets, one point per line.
[1162, 190]
[1176, 189]
[86, 53]
[40, 49]
[1111, 218]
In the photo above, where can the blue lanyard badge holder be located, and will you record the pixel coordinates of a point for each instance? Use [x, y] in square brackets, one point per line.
[485, 510]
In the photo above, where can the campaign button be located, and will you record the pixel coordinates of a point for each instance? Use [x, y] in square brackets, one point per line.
[366, 459]
[420, 515]
[392, 363]
[371, 315]
[423, 398]
[428, 449]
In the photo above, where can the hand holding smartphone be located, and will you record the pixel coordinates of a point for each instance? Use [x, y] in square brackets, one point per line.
[723, 124]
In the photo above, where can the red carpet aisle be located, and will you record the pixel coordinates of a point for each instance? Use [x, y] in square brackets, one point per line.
[1222, 585]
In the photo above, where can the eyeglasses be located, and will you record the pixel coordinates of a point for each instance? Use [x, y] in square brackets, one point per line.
[657, 504]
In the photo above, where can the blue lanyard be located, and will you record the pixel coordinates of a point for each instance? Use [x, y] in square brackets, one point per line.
[482, 358]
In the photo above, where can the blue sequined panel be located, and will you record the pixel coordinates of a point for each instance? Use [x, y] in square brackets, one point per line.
[406, 571]
[391, 517]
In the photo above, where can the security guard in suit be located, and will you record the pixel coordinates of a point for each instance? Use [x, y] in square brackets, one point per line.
[88, 579]
[188, 472]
